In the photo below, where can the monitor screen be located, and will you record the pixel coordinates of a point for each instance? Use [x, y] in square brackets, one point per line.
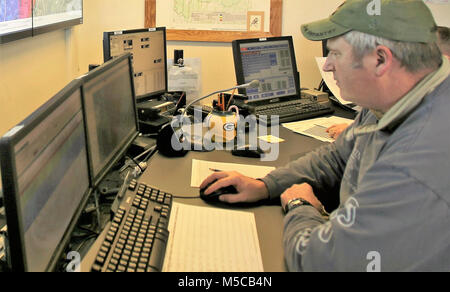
[24, 18]
[45, 179]
[148, 47]
[272, 62]
[110, 109]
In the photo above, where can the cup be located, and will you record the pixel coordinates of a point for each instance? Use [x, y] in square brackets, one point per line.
[222, 125]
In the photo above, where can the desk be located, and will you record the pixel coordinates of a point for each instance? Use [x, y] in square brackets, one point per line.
[173, 175]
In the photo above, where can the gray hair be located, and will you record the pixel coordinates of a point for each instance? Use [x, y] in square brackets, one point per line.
[413, 56]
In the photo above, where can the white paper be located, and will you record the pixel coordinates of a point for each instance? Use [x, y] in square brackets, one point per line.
[202, 169]
[271, 139]
[186, 78]
[206, 239]
[440, 10]
[316, 128]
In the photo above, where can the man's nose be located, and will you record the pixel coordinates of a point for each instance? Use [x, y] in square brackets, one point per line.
[328, 66]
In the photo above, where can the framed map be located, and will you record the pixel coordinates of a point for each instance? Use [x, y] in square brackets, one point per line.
[215, 20]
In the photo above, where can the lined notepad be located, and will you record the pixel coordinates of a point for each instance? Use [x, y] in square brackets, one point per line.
[204, 239]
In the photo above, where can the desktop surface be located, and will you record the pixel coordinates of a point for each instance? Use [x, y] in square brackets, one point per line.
[173, 175]
[268, 216]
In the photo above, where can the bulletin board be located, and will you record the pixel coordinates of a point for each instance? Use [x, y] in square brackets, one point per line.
[255, 26]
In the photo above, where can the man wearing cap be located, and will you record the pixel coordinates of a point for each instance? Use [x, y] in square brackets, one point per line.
[389, 171]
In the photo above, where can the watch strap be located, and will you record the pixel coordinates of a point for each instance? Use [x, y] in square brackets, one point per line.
[295, 203]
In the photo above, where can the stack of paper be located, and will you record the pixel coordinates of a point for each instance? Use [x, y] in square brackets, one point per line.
[316, 128]
[212, 240]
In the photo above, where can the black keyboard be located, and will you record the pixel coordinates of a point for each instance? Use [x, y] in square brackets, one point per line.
[137, 236]
[290, 111]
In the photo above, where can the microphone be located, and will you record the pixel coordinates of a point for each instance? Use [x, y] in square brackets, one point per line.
[170, 141]
[253, 84]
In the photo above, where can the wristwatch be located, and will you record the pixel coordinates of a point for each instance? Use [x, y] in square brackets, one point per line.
[294, 203]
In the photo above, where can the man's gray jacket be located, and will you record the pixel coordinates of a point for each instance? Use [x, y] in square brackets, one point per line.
[393, 177]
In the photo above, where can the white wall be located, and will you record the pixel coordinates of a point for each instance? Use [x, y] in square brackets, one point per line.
[32, 70]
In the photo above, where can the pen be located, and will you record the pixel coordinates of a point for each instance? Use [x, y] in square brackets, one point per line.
[215, 170]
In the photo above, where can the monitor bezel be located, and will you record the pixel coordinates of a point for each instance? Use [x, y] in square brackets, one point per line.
[239, 70]
[96, 179]
[35, 31]
[107, 56]
[17, 253]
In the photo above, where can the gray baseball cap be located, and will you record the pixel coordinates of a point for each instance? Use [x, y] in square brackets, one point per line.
[399, 20]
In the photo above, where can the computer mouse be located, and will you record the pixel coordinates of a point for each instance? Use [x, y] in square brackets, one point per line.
[248, 151]
[214, 197]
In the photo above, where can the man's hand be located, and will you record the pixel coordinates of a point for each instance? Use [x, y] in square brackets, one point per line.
[303, 191]
[335, 130]
[249, 190]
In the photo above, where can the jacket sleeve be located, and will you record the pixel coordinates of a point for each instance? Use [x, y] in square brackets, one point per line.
[322, 168]
[382, 227]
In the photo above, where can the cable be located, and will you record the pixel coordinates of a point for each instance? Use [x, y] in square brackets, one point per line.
[145, 152]
[180, 197]
[150, 154]
[124, 186]
[138, 164]
[93, 232]
[97, 207]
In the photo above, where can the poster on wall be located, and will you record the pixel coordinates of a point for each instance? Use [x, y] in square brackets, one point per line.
[214, 15]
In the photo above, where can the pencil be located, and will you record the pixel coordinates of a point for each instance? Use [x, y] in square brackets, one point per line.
[231, 98]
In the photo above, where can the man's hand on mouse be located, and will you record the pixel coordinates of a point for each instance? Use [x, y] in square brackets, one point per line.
[249, 190]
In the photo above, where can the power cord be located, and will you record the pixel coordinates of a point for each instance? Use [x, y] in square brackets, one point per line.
[188, 198]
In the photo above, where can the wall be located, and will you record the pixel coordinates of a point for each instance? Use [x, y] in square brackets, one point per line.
[217, 58]
[33, 69]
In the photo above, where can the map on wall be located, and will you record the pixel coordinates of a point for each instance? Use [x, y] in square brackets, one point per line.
[212, 14]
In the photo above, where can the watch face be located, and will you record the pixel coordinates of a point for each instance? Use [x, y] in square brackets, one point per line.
[294, 203]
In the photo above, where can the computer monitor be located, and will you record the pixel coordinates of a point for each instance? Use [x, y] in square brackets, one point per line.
[323, 86]
[148, 47]
[1, 187]
[111, 115]
[272, 62]
[325, 50]
[45, 178]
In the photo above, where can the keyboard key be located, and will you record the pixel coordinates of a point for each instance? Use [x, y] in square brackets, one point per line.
[157, 255]
[137, 238]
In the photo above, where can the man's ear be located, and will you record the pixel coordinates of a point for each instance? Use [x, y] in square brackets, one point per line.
[384, 60]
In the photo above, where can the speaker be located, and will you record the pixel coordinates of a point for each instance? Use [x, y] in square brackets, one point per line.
[170, 142]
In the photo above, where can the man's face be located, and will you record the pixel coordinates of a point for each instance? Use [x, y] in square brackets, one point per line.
[353, 78]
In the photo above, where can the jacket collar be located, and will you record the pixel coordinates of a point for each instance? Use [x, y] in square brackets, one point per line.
[401, 110]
